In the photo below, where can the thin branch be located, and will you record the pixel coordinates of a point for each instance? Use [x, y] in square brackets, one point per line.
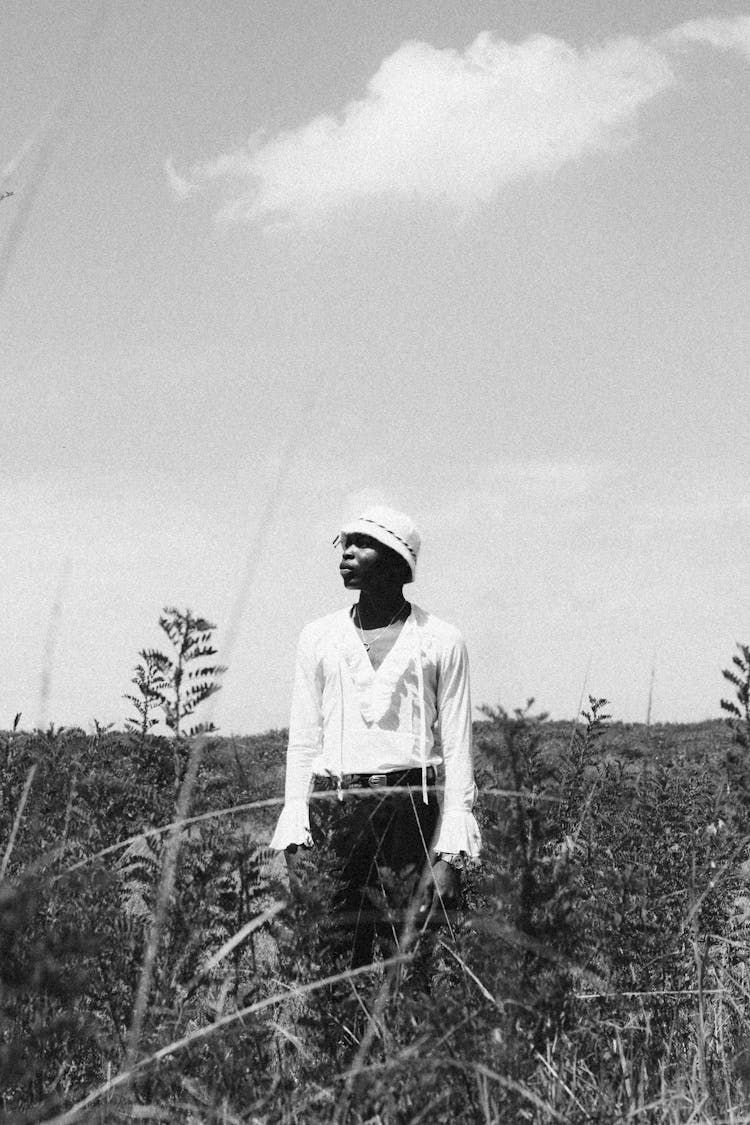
[17, 821]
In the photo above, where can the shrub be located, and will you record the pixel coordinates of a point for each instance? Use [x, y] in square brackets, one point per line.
[596, 973]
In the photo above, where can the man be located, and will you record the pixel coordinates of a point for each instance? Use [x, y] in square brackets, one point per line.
[373, 686]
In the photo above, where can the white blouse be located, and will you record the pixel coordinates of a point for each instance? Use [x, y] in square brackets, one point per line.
[348, 717]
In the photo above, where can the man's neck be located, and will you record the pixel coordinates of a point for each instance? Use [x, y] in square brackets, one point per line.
[378, 608]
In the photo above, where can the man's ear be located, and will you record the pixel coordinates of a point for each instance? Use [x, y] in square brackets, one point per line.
[399, 567]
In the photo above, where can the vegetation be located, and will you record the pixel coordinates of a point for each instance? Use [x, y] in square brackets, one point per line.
[597, 972]
[738, 713]
[177, 684]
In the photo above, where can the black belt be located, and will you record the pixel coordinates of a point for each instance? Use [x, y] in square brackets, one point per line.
[406, 778]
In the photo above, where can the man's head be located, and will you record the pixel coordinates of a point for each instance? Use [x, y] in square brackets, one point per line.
[381, 544]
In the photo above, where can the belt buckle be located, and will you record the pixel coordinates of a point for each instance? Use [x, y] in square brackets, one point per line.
[376, 780]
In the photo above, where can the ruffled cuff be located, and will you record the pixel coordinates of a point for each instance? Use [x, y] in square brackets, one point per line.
[293, 826]
[459, 832]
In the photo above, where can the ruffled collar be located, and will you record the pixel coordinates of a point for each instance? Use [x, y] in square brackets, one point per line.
[377, 689]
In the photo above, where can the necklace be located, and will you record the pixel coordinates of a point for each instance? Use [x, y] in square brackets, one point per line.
[368, 644]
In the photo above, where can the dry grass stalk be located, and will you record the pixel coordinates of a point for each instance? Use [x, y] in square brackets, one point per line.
[236, 939]
[125, 1076]
[166, 886]
[232, 810]
[17, 821]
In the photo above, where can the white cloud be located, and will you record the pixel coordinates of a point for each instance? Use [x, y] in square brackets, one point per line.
[452, 127]
[42, 127]
[723, 34]
[179, 185]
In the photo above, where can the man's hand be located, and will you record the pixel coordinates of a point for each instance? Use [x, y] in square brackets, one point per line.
[294, 855]
[441, 894]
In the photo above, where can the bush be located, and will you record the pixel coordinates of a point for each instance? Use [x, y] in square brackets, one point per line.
[597, 970]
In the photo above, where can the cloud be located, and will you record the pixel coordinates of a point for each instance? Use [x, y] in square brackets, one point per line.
[723, 34]
[451, 127]
[179, 185]
[43, 126]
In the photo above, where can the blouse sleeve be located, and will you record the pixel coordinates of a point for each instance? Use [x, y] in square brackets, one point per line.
[458, 831]
[305, 740]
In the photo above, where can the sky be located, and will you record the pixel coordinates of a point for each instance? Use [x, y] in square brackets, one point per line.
[264, 264]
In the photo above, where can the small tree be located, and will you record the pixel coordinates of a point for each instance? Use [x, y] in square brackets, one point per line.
[151, 682]
[738, 714]
[188, 686]
[738, 719]
[179, 683]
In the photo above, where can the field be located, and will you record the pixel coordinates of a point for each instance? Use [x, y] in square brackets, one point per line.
[597, 972]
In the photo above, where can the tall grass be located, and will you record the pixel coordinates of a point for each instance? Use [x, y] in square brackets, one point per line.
[596, 972]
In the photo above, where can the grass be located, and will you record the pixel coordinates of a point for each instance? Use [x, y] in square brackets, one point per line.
[153, 968]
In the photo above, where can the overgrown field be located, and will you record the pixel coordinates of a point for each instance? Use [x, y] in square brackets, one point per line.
[598, 972]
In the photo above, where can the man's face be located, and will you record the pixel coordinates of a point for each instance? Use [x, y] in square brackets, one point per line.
[365, 562]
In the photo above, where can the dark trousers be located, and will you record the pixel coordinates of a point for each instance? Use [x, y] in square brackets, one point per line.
[381, 843]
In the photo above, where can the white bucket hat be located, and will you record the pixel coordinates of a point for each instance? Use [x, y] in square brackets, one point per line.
[393, 529]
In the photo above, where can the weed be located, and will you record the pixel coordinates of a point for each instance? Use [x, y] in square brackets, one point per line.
[597, 972]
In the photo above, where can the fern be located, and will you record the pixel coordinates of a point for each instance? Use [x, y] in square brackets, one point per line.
[137, 873]
[151, 681]
[175, 684]
[738, 714]
[187, 688]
